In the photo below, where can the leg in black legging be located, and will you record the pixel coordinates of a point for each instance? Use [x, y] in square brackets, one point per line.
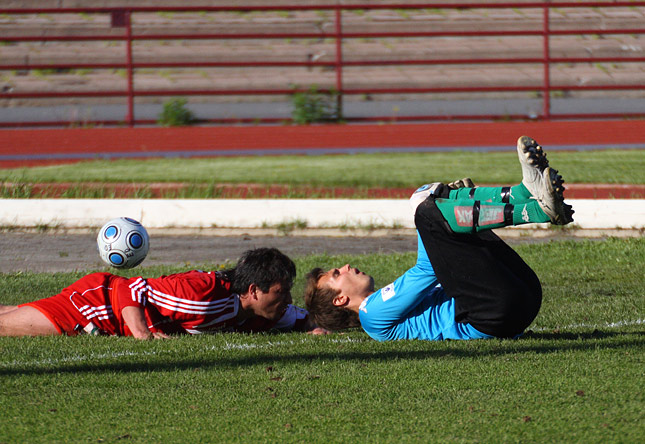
[494, 289]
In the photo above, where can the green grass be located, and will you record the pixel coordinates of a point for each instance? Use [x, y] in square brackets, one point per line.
[363, 170]
[574, 378]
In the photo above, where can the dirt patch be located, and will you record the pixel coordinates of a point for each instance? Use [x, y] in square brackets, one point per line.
[44, 252]
[69, 251]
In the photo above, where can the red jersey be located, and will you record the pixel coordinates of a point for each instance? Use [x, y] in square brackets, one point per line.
[192, 302]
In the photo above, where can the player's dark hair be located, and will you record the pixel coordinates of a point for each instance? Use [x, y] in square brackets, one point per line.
[318, 300]
[263, 267]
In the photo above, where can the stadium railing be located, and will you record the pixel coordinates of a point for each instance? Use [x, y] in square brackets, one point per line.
[126, 25]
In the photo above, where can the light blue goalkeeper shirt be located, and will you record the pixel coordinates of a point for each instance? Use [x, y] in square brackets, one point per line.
[414, 306]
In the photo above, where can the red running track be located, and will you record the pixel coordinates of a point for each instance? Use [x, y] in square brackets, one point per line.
[255, 191]
[30, 147]
[143, 142]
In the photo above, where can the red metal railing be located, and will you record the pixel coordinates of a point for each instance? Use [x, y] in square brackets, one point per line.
[122, 18]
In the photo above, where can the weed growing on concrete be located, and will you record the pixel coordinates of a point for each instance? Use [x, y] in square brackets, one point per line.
[175, 113]
[314, 106]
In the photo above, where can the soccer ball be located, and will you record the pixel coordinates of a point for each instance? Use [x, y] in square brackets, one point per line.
[123, 243]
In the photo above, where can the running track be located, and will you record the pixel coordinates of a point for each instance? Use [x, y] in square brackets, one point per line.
[31, 147]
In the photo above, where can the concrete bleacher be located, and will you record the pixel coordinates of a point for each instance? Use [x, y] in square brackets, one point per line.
[321, 50]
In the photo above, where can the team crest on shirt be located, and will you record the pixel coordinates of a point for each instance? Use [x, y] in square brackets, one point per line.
[388, 292]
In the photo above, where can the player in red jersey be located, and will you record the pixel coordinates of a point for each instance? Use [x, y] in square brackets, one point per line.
[252, 297]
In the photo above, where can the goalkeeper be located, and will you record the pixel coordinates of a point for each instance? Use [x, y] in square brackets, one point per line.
[467, 283]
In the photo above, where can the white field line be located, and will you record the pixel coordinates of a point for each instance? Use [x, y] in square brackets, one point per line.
[234, 346]
[608, 325]
[92, 357]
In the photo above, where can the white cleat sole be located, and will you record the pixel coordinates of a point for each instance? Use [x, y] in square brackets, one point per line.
[543, 182]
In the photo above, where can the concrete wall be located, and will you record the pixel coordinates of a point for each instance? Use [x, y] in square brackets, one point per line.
[258, 213]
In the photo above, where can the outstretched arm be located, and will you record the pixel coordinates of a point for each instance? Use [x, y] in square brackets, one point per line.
[135, 319]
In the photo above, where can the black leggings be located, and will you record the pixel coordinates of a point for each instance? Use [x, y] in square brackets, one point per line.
[494, 289]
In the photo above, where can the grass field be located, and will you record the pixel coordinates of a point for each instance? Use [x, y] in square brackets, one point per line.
[576, 377]
[361, 170]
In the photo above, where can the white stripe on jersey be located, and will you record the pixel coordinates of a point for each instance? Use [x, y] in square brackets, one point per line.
[225, 317]
[186, 306]
[101, 312]
[170, 299]
[137, 289]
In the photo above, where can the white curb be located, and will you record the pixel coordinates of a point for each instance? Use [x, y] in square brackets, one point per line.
[258, 213]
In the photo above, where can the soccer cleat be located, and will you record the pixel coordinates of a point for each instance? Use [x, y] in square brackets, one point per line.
[543, 182]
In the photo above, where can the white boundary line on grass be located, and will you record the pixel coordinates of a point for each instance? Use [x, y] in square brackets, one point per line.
[226, 346]
[279, 344]
[583, 325]
[234, 346]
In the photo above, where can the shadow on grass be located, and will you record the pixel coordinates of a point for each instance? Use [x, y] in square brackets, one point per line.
[532, 342]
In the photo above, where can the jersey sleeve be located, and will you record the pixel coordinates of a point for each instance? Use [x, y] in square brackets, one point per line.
[130, 293]
[423, 262]
[189, 286]
[294, 319]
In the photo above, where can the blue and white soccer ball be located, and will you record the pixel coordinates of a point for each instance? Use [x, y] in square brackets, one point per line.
[123, 243]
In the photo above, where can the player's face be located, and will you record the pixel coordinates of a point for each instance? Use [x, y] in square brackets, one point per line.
[272, 304]
[350, 281]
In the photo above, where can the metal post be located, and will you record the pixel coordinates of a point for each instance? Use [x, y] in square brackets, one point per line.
[339, 61]
[130, 74]
[546, 99]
